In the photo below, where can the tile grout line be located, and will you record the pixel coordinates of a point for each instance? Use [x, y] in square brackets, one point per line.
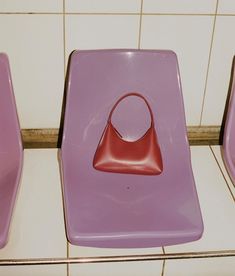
[180, 14]
[64, 42]
[104, 13]
[209, 62]
[116, 13]
[64, 45]
[140, 23]
[67, 267]
[230, 191]
[163, 267]
[164, 263]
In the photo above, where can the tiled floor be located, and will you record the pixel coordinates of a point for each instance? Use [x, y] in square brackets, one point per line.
[37, 229]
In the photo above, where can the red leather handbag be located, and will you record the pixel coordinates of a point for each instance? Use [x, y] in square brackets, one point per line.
[116, 155]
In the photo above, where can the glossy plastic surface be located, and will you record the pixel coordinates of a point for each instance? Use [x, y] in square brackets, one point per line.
[123, 210]
[11, 150]
[228, 148]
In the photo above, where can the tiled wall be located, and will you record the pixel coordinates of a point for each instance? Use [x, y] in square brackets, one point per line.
[39, 35]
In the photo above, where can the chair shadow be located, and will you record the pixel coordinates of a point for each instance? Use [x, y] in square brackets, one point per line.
[60, 138]
[61, 126]
[227, 103]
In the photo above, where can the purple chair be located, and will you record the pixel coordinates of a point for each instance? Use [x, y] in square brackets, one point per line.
[11, 150]
[228, 148]
[124, 210]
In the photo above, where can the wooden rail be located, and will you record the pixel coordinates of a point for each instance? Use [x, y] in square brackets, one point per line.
[50, 137]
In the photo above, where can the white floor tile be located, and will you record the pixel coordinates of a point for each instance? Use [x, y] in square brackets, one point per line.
[218, 208]
[189, 37]
[217, 152]
[90, 6]
[151, 268]
[43, 270]
[37, 229]
[201, 267]
[106, 269]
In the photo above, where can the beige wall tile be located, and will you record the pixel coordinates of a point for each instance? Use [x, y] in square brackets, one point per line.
[102, 6]
[226, 7]
[101, 31]
[31, 6]
[189, 37]
[34, 44]
[223, 52]
[179, 6]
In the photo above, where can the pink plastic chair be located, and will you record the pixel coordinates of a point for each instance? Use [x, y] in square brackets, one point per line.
[11, 150]
[120, 210]
[228, 148]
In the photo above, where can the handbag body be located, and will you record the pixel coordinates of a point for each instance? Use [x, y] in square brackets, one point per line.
[114, 154]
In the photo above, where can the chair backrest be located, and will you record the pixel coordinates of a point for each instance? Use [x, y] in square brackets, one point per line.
[105, 75]
[11, 149]
[10, 136]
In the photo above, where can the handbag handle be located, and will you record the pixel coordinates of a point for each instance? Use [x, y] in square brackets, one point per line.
[127, 95]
